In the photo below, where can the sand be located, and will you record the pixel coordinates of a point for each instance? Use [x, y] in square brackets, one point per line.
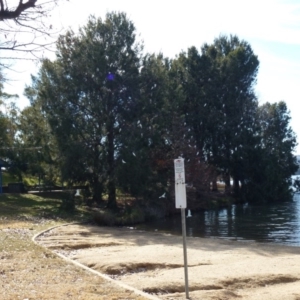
[153, 262]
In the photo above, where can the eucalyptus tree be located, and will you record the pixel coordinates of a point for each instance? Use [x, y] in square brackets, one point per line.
[89, 96]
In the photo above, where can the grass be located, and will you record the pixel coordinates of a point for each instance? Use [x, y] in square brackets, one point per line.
[31, 272]
[8, 178]
[46, 205]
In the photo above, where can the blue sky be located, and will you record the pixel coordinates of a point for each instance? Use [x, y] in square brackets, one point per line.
[272, 27]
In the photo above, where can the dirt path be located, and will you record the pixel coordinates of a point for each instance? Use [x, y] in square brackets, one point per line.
[153, 262]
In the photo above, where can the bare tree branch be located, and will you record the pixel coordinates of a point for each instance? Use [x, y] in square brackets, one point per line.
[5, 13]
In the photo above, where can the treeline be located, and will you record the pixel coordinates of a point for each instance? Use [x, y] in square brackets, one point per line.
[109, 116]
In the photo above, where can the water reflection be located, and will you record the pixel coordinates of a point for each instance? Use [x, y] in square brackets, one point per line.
[279, 223]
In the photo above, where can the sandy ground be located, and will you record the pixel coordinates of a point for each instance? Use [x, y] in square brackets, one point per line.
[153, 262]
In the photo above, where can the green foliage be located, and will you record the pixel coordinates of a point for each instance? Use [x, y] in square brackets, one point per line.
[146, 144]
[88, 94]
[270, 178]
[220, 104]
[8, 127]
[29, 181]
[8, 178]
[107, 116]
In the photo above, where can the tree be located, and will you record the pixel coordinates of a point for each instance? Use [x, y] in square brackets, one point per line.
[40, 149]
[9, 128]
[4, 137]
[9, 117]
[89, 95]
[269, 179]
[24, 26]
[143, 174]
[220, 102]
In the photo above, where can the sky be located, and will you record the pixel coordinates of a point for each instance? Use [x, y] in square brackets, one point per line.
[271, 27]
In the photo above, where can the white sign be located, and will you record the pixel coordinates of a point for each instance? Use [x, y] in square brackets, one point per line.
[180, 191]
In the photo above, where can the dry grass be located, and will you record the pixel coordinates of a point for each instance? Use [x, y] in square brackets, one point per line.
[28, 271]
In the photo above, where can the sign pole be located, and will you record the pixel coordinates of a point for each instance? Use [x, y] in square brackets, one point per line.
[185, 253]
[180, 202]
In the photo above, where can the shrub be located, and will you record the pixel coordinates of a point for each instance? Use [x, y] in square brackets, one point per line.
[108, 218]
[104, 218]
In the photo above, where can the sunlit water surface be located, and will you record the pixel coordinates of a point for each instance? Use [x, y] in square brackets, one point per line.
[276, 223]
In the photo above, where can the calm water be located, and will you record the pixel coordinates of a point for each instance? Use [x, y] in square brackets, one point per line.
[277, 223]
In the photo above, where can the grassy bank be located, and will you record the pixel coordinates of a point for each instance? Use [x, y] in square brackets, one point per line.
[39, 205]
[31, 272]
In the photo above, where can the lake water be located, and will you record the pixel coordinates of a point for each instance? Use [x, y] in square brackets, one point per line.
[276, 223]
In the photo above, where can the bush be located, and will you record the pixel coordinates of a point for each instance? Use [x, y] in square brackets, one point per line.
[104, 218]
[129, 217]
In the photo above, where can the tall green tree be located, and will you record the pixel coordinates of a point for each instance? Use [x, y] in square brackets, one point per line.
[147, 138]
[239, 69]
[9, 114]
[220, 104]
[89, 96]
[4, 137]
[269, 178]
[39, 146]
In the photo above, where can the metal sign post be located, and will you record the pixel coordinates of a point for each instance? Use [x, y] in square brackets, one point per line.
[180, 202]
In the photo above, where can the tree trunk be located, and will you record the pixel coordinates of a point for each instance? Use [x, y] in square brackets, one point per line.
[97, 190]
[236, 187]
[111, 186]
[227, 183]
[242, 191]
[214, 185]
